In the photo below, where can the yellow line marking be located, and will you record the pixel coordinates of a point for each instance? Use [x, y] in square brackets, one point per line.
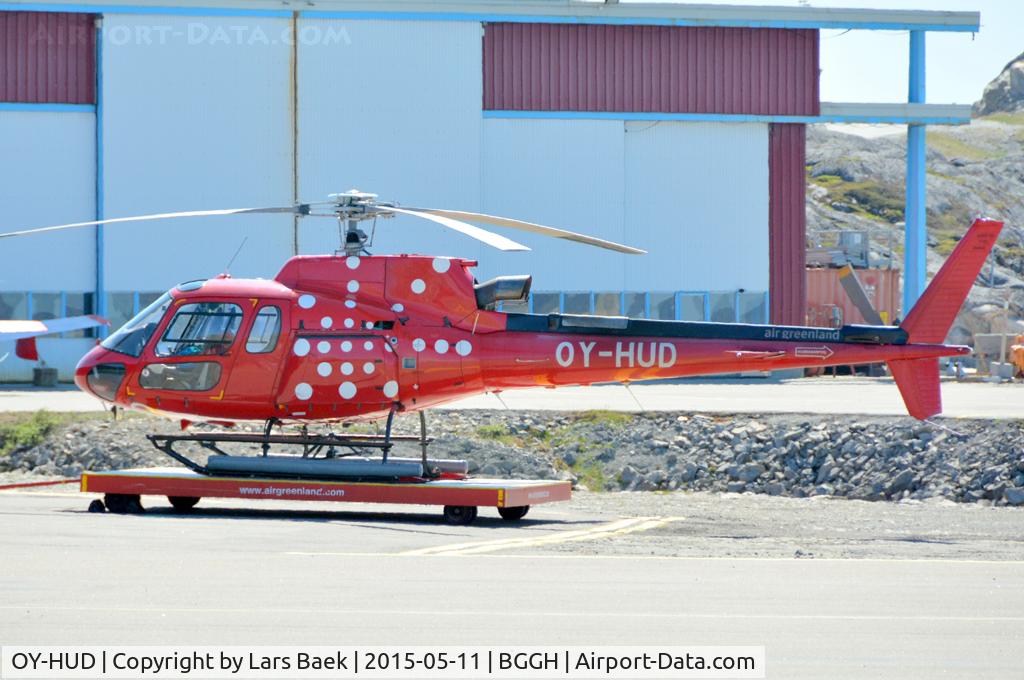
[666, 558]
[617, 528]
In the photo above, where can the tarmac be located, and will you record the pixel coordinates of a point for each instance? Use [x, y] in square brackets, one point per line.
[823, 395]
[288, 573]
[831, 588]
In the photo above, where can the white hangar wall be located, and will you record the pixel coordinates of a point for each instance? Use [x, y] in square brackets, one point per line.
[694, 195]
[52, 181]
[392, 108]
[190, 123]
[49, 177]
[696, 198]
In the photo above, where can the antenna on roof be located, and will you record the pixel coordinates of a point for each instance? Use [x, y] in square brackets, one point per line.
[227, 267]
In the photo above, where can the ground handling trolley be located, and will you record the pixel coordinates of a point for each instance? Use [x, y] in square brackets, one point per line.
[460, 498]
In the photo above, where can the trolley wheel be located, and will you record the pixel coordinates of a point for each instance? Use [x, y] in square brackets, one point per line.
[183, 503]
[514, 514]
[123, 503]
[459, 514]
[97, 506]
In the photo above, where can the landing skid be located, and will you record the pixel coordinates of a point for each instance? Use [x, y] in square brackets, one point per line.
[314, 447]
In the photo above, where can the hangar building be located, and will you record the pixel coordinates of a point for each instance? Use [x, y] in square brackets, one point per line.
[676, 128]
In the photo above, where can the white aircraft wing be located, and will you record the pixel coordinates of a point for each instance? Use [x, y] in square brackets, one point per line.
[21, 329]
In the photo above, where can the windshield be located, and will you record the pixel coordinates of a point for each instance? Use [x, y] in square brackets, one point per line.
[132, 337]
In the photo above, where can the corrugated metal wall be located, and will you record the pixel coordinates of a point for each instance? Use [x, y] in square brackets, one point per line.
[669, 69]
[47, 58]
[787, 223]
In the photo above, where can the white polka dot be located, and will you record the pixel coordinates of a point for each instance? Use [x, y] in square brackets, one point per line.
[441, 346]
[418, 286]
[351, 304]
[346, 368]
[463, 348]
[326, 322]
[442, 264]
[368, 345]
[353, 286]
[301, 347]
[347, 390]
[388, 348]
[323, 347]
[306, 301]
[419, 345]
[390, 389]
[352, 262]
[303, 391]
[346, 346]
[323, 368]
[368, 367]
[398, 307]
[349, 323]
[368, 325]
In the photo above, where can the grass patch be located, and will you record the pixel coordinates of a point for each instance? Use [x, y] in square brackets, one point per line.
[590, 474]
[871, 199]
[1016, 118]
[828, 181]
[30, 429]
[525, 439]
[954, 147]
[612, 418]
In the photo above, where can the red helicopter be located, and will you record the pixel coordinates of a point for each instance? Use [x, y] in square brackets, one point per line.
[357, 336]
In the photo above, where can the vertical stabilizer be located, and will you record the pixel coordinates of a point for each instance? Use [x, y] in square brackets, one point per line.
[933, 314]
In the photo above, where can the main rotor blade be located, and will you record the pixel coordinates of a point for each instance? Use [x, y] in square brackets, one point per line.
[534, 228]
[490, 238]
[300, 209]
[858, 296]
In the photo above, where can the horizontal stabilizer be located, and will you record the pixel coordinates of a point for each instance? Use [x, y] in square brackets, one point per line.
[918, 380]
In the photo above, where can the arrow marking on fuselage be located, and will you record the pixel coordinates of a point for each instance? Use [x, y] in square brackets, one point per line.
[823, 352]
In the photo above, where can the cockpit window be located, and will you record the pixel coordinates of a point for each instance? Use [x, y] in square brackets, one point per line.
[265, 330]
[132, 337]
[201, 328]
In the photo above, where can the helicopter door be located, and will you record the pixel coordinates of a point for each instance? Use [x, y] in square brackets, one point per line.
[338, 376]
[258, 362]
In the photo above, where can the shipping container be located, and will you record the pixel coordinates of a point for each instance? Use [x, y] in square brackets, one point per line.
[829, 305]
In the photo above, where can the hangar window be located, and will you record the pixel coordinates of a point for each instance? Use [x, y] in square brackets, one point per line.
[13, 305]
[265, 330]
[194, 376]
[77, 304]
[201, 328]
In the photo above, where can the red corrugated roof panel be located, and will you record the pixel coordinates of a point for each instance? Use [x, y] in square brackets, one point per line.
[47, 58]
[665, 69]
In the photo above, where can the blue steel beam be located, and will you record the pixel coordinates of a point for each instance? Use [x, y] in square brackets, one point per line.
[916, 241]
[893, 119]
[100, 302]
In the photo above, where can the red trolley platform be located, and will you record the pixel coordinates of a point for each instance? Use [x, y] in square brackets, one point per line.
[460, 497]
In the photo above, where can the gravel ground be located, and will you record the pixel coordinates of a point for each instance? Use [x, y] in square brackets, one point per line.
[757, 526]
[864, 458]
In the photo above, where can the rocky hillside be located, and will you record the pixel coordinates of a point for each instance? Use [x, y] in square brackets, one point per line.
[866, 458]
[1005, 93]
[857, 183]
